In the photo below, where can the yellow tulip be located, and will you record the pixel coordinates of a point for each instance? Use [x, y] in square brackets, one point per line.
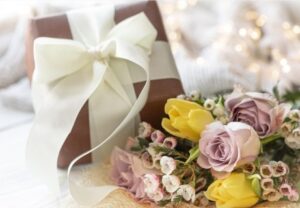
[186, 119]
[235, 191]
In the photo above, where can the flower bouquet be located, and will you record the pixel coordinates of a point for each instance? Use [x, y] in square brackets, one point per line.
[229, 151]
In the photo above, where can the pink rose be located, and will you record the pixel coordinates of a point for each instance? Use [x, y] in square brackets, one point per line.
[224, 147]
[259, 110]
[128, 171]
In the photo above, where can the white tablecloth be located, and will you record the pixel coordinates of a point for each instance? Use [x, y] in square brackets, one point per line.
[18, 188]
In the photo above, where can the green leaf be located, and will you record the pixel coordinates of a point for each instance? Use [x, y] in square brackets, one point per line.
[255, 183]
[136, 149]
[177, 199]
[276, 92]
[143, 142]
[163, 203]
[292, 96]
[194, 153]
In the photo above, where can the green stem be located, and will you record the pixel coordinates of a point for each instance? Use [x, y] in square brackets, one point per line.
[269, 139]
[194, 153]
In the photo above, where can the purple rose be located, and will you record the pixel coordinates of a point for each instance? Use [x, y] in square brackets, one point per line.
[225, 147]
[259, 110]
[127, 171]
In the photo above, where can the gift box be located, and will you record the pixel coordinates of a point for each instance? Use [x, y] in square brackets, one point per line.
[165, 83]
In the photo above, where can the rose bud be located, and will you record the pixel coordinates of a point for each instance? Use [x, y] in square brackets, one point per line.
[271, 195]
[285, 189]
[266, 171]
[157, 136]
[209, 104]
[294, 196]
[151, 182]
[170, 142]
[145, 130]
[294, 115]
[171, 183]
[167, 164]
[267, 184]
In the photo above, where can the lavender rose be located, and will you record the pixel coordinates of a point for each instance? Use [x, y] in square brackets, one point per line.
[259, 110]
[225, 147]
[127, 171]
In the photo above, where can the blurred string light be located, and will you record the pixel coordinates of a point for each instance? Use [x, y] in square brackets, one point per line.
[245, 39]
[172, 10]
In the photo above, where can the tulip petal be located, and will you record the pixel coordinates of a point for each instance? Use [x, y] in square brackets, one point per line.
[199, 119]
[166, 124]
[181, 124]
[234, 191]
[183, 106]
[241, 203]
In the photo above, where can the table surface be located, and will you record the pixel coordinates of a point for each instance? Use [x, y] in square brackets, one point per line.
[18, 188]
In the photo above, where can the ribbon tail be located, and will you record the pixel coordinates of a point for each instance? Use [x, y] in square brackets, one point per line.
[93, 195]
[50, 128]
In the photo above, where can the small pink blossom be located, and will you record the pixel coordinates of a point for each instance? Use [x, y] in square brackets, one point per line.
[156, 196]
[286, 129]
[200, 183]
[130, 143]
[170, 142]
[294, 115]
[266, 171]
[249, 168]
[201, 200]
[167, 164]
[151, 183]
[157, 136]
[267, 184]
[279, 168]
[187, 192]
[147, 160]
[272, 195]
[171, 183]
[145, 130]
[294, 196]
[285, 189]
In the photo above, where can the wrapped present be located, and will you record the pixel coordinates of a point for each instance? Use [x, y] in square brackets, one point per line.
[86, 131]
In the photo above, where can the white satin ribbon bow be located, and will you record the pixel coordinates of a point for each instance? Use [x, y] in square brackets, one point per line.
[70, 72]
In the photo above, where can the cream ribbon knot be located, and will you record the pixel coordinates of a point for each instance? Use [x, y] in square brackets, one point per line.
[96, 64]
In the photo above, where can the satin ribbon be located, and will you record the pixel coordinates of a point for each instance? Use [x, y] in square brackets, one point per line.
[70, 72]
